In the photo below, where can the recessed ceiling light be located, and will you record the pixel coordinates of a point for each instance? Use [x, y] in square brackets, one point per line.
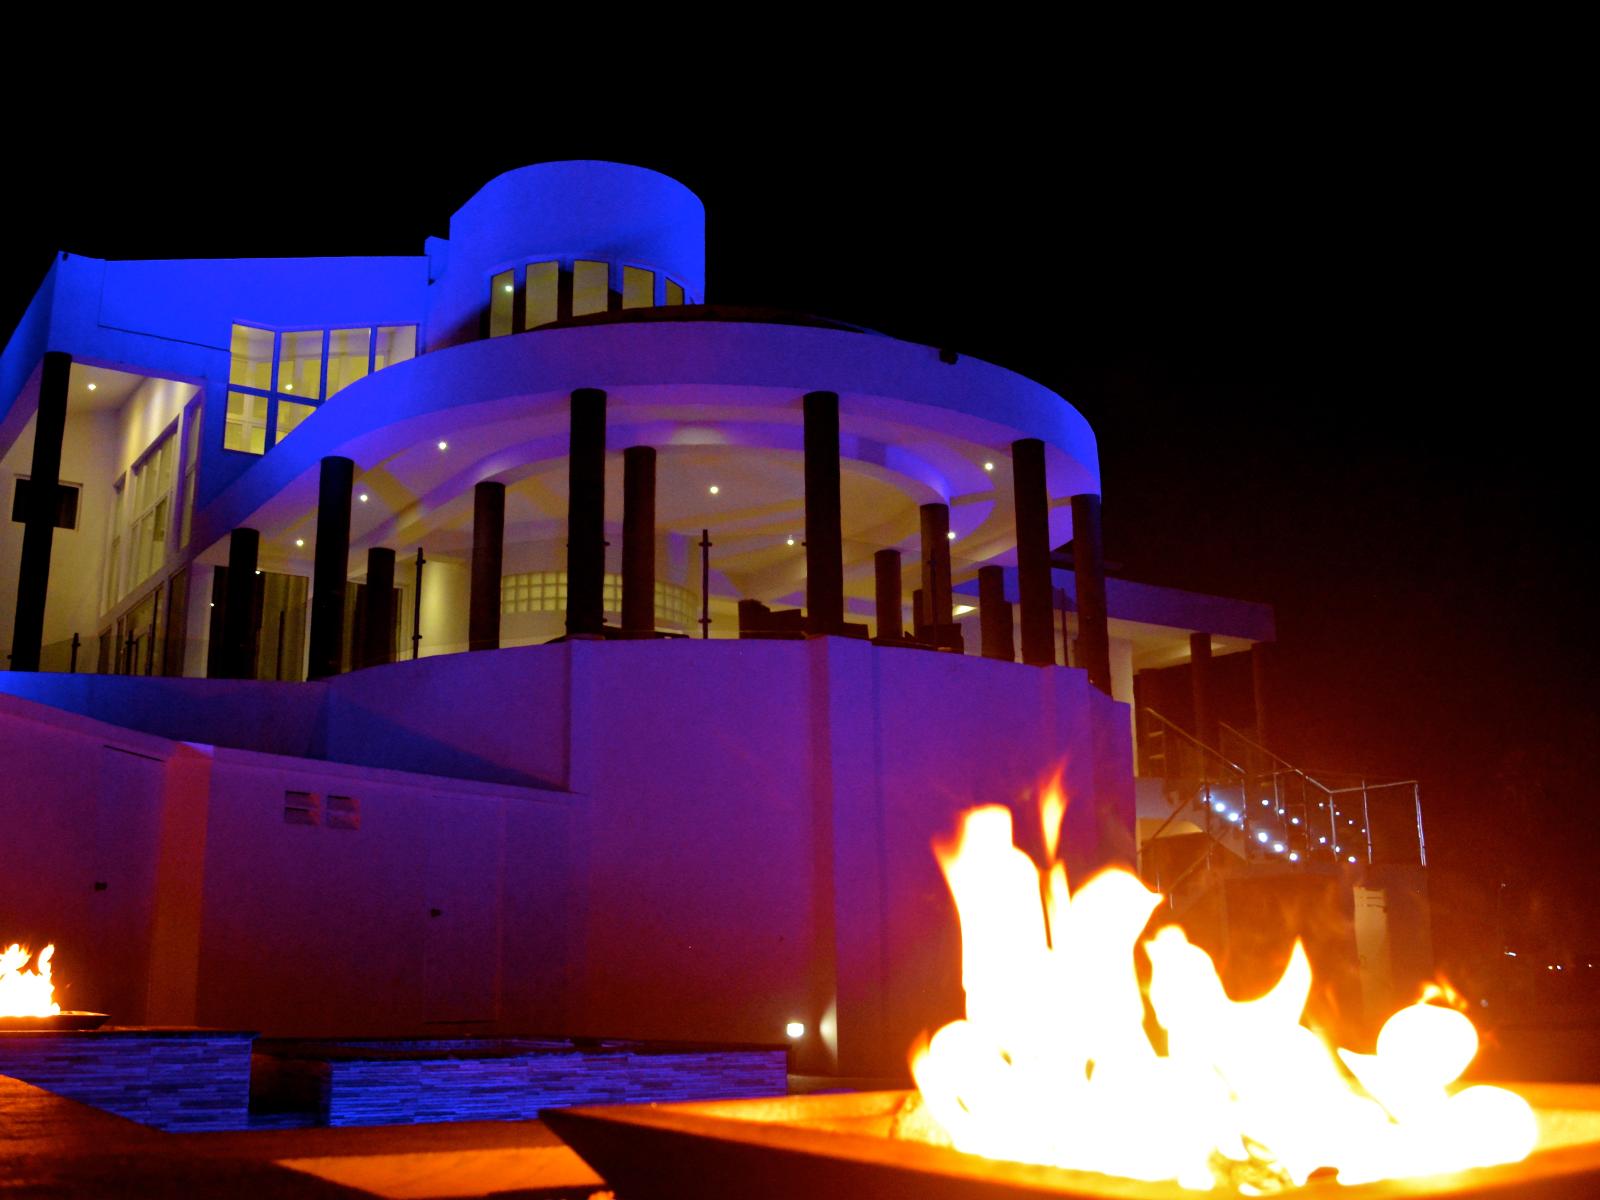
[444, 445]
[363, 497]
[714, 489]
[92, 386]
[988, 466]
[299, 541]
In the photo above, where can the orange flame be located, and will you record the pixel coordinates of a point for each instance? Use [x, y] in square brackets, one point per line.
[26, 993]
[1053, 1065]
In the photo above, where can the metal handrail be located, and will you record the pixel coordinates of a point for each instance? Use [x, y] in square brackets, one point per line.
[1169, 724]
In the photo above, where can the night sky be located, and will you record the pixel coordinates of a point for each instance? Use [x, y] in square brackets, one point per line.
[1329, 360]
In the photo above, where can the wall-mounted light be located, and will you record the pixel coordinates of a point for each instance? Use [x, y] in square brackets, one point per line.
[789, 541]
[713, 489]
[988, 466]
[92, 386]
[362, 497]
[951, 535]
[795, 1029]
[299, 541]
[444, 445]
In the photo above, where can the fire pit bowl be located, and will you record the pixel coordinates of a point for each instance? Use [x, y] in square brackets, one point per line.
[55, 1023]
[838, 1147]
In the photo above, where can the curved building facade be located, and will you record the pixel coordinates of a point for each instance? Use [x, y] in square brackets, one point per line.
[525, 640]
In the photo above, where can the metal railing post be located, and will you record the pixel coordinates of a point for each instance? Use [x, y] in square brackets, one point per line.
[1366, 821]
[416, 606]
[1422, 846]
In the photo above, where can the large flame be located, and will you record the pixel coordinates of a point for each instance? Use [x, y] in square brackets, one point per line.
[1053, 1063]
[26, 993]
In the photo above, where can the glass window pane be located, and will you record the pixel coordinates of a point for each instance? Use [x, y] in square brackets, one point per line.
[502, 292]
[246, 427]
[300, 364]
[544, 282]
[396, 343]
[347, 357]
[188, 509]
[638, 288]
[290, 415]
[674, 292]
[590, 284]
[250, 357]
[194, 436]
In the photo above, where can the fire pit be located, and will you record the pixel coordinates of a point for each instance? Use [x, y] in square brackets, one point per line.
[840, 1147]
[27, 998]
[1084, 1069]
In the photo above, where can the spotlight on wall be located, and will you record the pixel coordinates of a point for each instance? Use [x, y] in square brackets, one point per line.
[951, 535]
[961, 610]
[299, 541]
[510, 288]
[988, 466]
[92, 386]
[362, 497]
[789, 541]
[444, 445]
[795, 1029]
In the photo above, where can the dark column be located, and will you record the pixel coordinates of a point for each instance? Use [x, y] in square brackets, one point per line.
[936, 567]
[639, 542]
[330, 566]
[488, 548]
[238, 606]
[994, 614]
[824, 542]
[586, 515]
[377, 622]
[39, 521]
[1200, 678]
[1258, 682]
[1089, 566]
[1032, 503]
[886, 569]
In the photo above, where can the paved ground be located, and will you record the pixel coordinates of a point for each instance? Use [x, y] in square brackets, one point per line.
[52, 1147]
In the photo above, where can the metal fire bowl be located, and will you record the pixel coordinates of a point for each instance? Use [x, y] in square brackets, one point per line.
[57, 1023]
[838, 1148]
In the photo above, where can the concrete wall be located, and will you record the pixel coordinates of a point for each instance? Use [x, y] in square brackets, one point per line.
[741, 838]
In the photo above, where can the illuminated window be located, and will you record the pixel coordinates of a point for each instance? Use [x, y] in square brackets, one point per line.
[191, 464]
[247, 423]
[144, 516]
[591, 285]
[290, 414]
[543, 294]
[250, 358]
[674, 292]
[300, 364]
[348, 352]
[396, 344]
[304, 359]
[638, 288]
[502, 300]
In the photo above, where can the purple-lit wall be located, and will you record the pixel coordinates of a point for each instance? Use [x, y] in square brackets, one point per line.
[738, 838]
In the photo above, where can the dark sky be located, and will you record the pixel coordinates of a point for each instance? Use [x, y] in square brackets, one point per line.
[1330, 358]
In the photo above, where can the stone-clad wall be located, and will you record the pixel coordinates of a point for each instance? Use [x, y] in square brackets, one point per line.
[517, 1087]
[180, 1080]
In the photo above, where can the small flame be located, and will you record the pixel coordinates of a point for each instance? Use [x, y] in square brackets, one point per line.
[26, 993]
[1053, 1063]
